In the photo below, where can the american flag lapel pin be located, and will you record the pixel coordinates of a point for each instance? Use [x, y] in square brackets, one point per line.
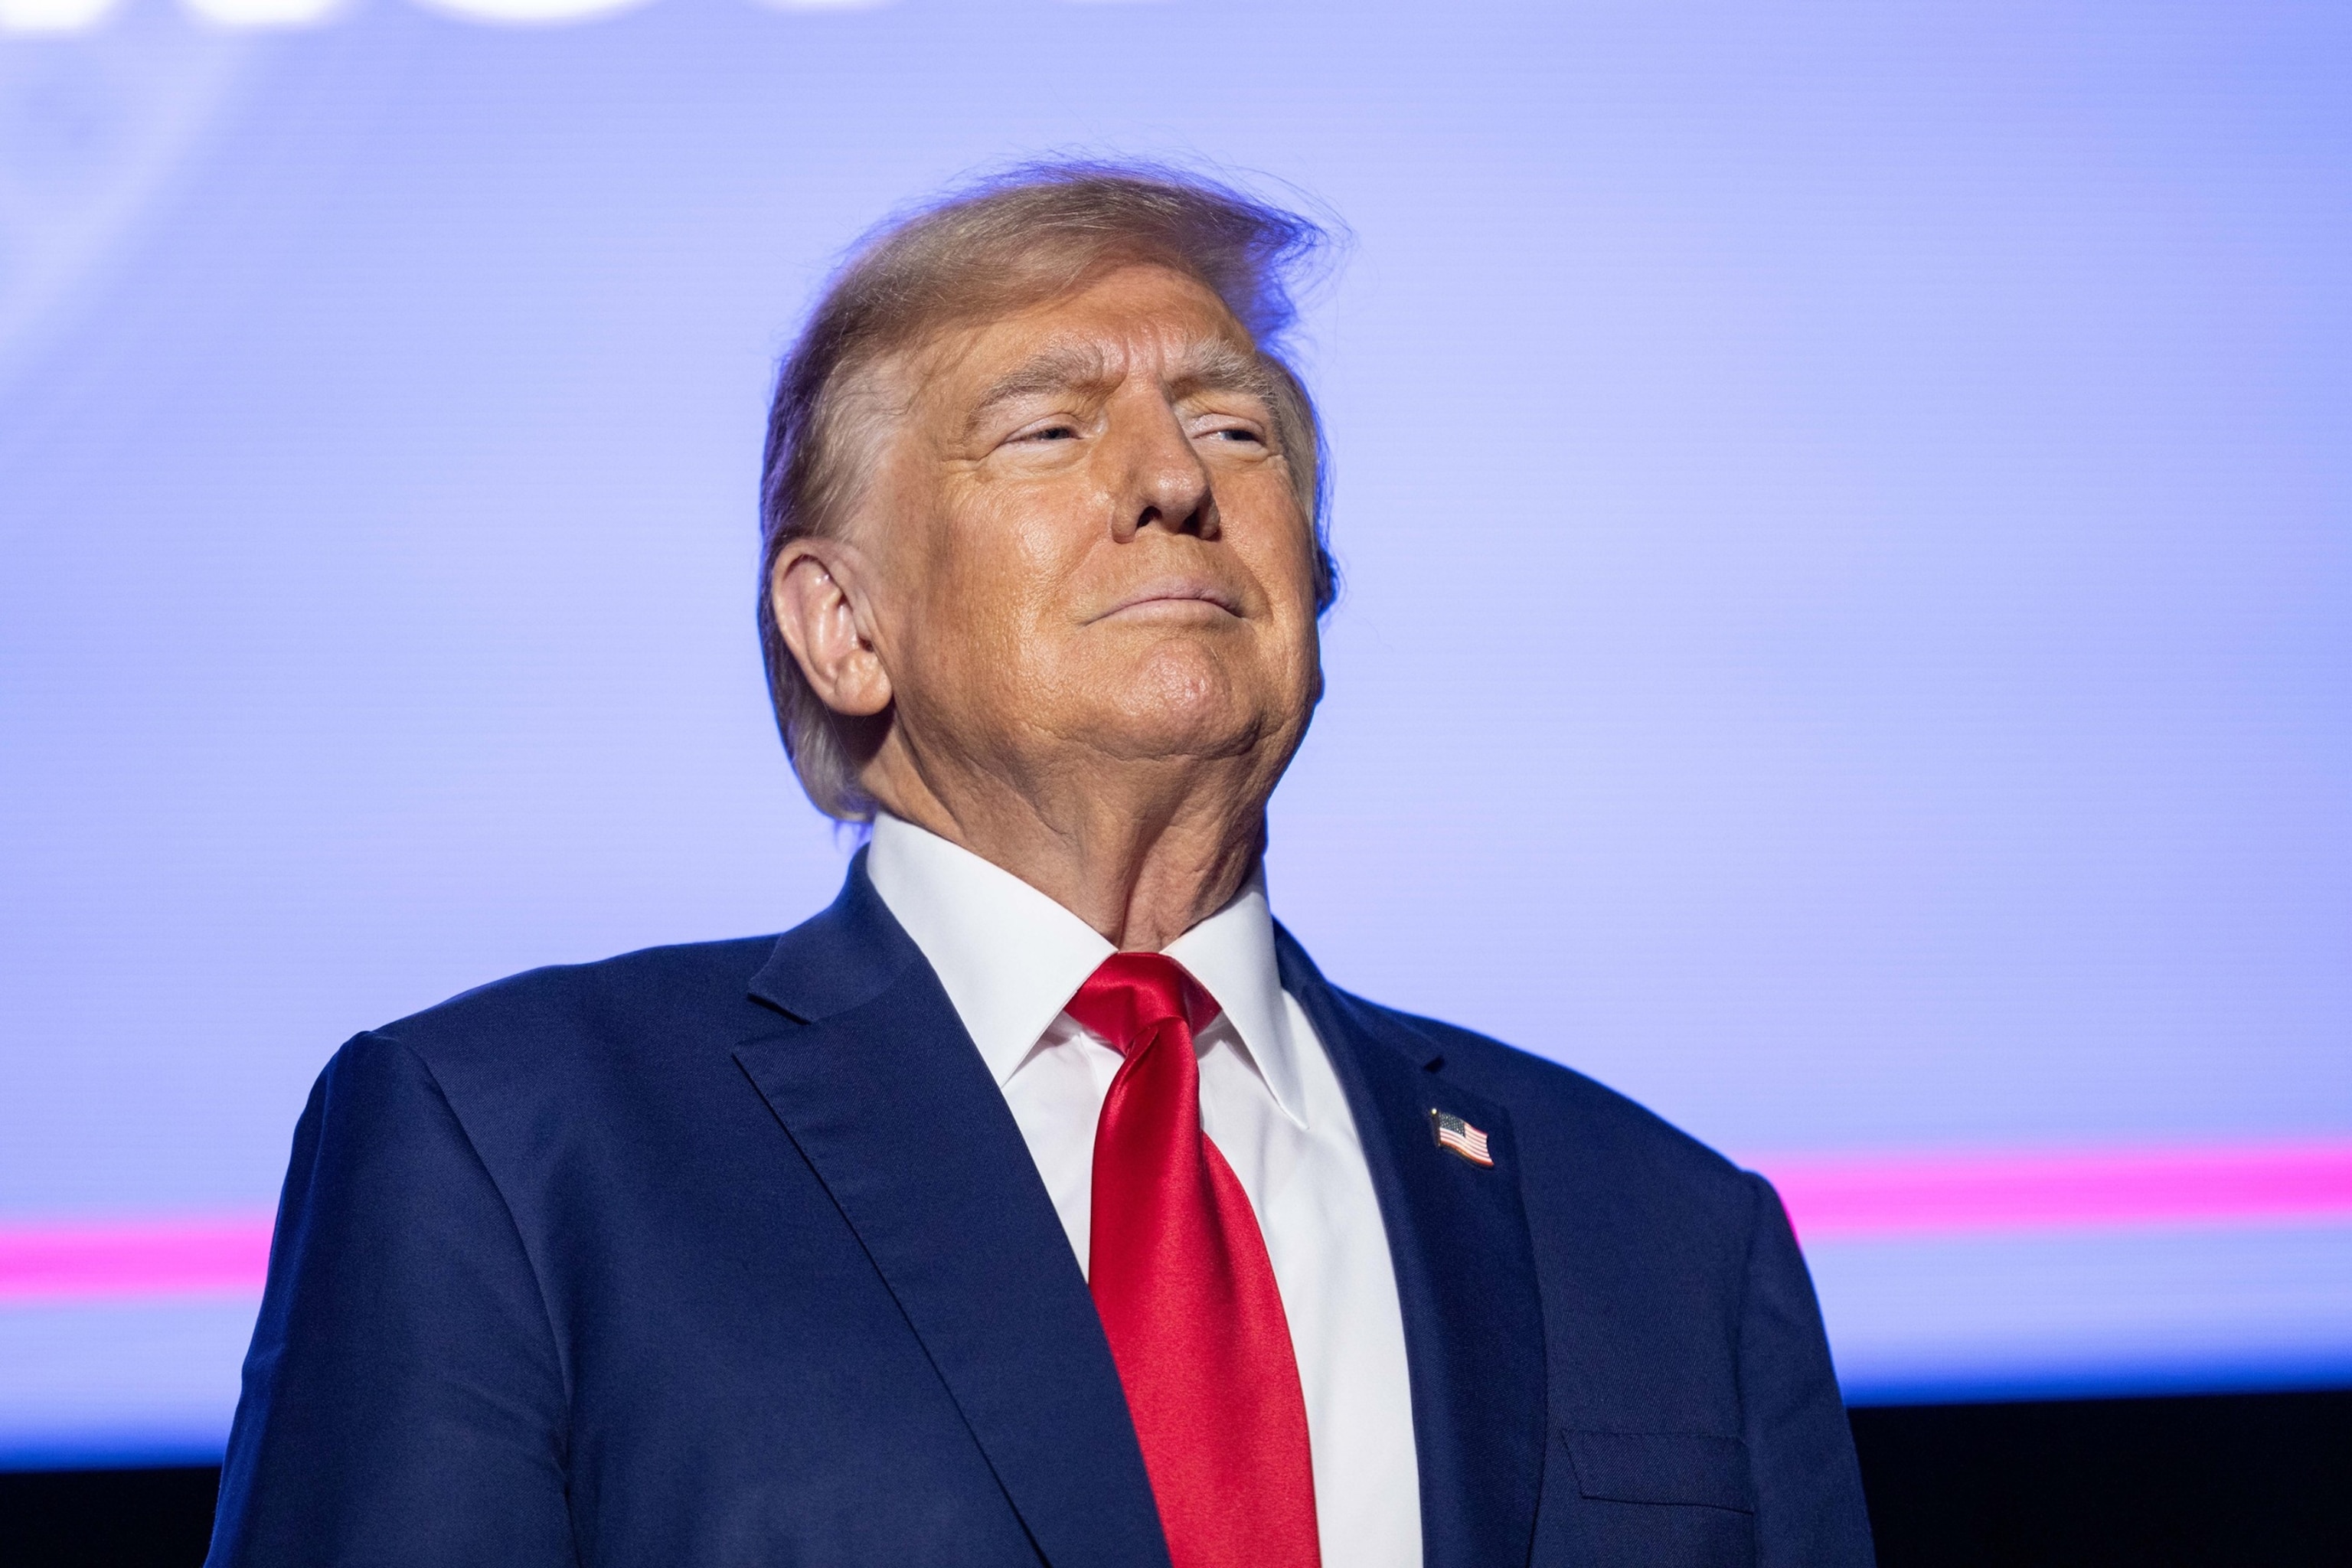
[1458, 1135]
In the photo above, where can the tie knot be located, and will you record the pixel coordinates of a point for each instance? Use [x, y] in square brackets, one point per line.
[1132, 993]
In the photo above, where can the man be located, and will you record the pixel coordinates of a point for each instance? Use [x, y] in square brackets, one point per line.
[1039, 1201]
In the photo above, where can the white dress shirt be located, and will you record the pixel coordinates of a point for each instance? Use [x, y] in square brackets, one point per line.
[1009, 958]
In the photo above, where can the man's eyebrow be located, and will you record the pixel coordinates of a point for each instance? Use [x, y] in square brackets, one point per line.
[1054, 369]
[1219, 366]
[1212, 366]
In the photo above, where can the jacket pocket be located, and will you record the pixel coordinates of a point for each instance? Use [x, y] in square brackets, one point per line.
[1686, 1467]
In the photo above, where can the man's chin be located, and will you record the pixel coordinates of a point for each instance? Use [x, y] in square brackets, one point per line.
[1171, 731]
[1182, 696]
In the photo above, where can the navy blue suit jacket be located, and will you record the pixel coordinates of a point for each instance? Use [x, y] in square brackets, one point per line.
[732, 1254]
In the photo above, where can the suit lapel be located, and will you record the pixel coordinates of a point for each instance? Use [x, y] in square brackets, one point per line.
[1466, 1278]
[885, 1095]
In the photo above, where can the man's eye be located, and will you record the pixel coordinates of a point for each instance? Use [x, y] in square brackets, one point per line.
[1235, 433]
[1053, 433]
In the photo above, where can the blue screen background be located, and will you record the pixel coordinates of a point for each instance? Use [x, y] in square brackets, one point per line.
[1846, 519]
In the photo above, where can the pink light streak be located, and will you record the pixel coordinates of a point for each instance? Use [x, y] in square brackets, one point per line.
[1845, 1197]
[1830, 1198]
[97, 1260]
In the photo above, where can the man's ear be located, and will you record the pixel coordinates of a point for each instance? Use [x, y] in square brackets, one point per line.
[818, 611]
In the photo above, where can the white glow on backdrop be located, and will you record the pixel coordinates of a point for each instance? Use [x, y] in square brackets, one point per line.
[267, 12]
[1849, 553]
[533, 12]
[37, 16]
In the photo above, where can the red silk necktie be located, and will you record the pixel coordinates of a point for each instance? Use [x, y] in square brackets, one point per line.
[1187, 1296]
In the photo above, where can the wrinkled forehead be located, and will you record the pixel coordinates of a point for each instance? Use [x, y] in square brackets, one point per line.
[1092, 368]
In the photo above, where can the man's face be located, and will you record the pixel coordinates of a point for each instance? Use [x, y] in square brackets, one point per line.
[1086, 538]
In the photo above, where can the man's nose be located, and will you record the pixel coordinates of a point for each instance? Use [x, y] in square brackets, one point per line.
[1161, 479]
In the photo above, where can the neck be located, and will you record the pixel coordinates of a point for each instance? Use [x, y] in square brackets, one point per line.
[1140, 851]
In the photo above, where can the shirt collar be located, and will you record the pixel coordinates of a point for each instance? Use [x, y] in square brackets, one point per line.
[1009, 958]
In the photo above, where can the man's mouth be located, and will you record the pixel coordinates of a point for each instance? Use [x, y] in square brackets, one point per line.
[1176, 594]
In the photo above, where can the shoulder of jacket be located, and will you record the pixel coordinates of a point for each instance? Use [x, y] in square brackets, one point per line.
[651, 988]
